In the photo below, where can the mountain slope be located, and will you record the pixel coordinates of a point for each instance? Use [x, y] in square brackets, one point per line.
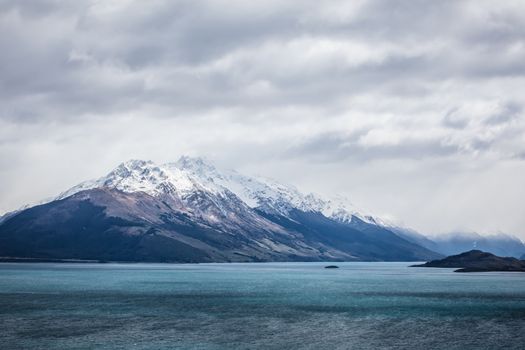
[189, 211]
[108, 224]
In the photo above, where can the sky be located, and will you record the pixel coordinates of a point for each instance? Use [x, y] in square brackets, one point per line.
[414, 110]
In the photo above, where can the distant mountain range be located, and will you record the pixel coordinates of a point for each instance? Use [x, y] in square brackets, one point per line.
[458, 242]
[190, 211]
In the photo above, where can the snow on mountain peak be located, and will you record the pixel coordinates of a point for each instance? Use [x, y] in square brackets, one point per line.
[195, 164]
[138, 176]
[189, 175]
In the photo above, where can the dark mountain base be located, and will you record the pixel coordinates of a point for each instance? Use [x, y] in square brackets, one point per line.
[110, 225]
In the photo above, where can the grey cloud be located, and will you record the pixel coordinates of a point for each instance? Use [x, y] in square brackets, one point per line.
[520, 155]
[336, 147]
[181, 40]
[507, 113]
[453, 120]
[38, 8]
[433, 84]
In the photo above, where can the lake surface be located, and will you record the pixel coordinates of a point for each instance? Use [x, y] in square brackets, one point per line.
[258, 306]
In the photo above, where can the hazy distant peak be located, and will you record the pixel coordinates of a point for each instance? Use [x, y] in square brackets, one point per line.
[135, 164]
[194, 163]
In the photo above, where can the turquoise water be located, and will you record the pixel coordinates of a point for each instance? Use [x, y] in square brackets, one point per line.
[258, 306]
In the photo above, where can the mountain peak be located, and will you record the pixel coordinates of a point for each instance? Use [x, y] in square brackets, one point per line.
[190, 211]
[194, 164]
[132, 165]
[190, 177]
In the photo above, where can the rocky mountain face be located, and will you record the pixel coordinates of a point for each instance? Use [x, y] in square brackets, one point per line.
[190, 211]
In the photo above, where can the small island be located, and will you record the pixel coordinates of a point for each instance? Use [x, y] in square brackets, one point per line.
[477, 261]
[331, 267]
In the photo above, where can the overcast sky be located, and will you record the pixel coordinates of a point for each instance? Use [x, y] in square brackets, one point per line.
[415, 110]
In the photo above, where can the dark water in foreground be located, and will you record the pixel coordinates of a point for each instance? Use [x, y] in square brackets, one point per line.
[258, 306]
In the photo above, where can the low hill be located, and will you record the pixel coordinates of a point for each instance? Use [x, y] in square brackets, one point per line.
[477, 261]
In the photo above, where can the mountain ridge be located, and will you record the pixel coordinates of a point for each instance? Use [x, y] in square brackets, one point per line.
[216, 215]
[453, 243]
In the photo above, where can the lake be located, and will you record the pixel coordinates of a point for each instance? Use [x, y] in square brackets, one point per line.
[258, 306]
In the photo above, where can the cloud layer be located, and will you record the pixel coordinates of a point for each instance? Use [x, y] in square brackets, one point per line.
[414, 109]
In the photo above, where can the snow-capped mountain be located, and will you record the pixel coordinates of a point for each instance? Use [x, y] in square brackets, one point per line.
[189, 175]
[191, 211]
